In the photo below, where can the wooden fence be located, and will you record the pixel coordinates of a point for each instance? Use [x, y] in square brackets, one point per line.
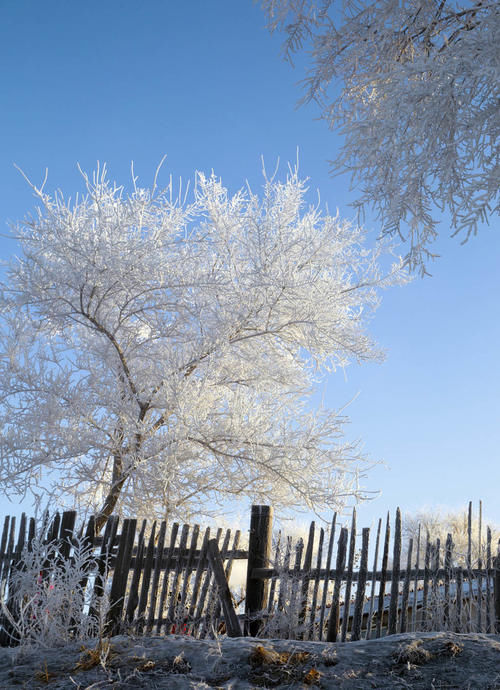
[310, 592]
[157, 583]
[163, 581]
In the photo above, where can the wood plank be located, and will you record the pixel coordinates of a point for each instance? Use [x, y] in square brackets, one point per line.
[66, 533]
[383, 579]
[31, 532]
[372, 593]
[415, 584]
[459, 605]
[327, 576]
[120, 576]
[306, 578]
[214, 556]
[202, 560]
[468, 579]
[292, 619]
[489, 626]
[133, 594]
[448, 556]
[182, 625]
[334, 618]
[166, 566]
[146, 581]
[361, 587]
[3, 547]
[175, 586]
[209, 623]
[274, 578]
[348, 584]
[156, 577]
[496, 587]
[314, 603]
[229, 567]
[200, 619]
[427, 576]
[102, 564]
[479, 577]
[406, 591]
[396, 568]
[285, 584]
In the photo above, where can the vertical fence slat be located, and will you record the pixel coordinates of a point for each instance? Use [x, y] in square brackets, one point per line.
[175, 586]
[198, 577]
[415, 584]
[284, 584]
[479, 576]
[66, 532]
[166, 577]
[314, 603]
[373, 582]
[406, 590]
[274, 579]
[292, 619]
[305, 582]
[3, 549]
[427, 574]
[327, 576]
[228, 569]
[383, 578]
[104, 559]
[489, 627]
[216, 563]
[133, 596]
[361, 587]
[212, 598]
[447, 577]
[396, 566]
[334, 619]
[188, 569]
[459, 604]
[156, 577]
[204, 590]
[120, 576]
[348, 585]
[497, 590]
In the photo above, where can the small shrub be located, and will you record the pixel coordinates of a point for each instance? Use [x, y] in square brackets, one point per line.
[46, 600]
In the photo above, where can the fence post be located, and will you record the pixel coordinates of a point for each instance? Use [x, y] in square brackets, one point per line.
[259, 551]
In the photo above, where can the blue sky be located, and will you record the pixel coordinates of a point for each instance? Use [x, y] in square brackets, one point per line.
[204, 83]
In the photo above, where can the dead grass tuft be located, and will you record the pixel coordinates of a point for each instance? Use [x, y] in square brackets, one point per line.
[413, 654]
[275, 668]
[45, 676]
[96, 656]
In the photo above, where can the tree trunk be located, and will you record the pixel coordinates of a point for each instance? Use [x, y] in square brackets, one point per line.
[119, 479]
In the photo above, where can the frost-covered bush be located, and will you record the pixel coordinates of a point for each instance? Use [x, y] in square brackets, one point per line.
[46, 601]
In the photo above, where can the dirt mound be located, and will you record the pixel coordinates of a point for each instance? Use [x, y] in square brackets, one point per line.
[424, 661]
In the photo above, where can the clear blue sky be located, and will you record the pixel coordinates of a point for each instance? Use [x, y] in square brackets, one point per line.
[203, 82]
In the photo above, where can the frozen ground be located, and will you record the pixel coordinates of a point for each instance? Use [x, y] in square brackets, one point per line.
[426, 661]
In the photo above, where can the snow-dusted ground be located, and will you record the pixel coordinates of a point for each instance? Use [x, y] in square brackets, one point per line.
[424, 661]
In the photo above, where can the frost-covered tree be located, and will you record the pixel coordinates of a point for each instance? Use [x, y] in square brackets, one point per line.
[414, 87]
[158, 353]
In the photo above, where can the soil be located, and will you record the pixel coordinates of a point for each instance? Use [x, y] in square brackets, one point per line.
[426, 661]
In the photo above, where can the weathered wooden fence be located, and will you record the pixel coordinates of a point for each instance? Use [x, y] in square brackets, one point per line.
[312, 592]
[157, 583]
[163, 581]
